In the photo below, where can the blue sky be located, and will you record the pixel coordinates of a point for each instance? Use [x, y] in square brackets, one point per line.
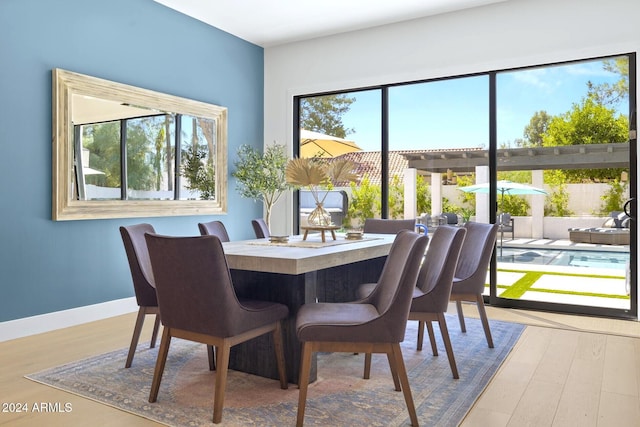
[454, 113]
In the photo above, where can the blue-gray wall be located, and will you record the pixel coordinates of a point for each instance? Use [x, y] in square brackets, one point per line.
[47, 266]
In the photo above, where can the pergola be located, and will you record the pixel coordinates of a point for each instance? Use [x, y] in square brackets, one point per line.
[585, 156]
[537, 159]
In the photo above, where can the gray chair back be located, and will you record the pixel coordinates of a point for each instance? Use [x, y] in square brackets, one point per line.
[139, 263]
[195, 291]
[436, 274]
[388, 226]
[475, 256]
[214, 228]
[392, 295]
[260, 228]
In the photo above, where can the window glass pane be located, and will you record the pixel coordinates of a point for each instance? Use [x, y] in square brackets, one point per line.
[440, 129]
[564, 129]
[100, 161]
[345, 126]
[147, 145]
[198, 157]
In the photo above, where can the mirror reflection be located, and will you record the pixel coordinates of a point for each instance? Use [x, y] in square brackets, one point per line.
[121, 144]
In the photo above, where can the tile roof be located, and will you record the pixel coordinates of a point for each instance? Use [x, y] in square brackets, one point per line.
[369, 164]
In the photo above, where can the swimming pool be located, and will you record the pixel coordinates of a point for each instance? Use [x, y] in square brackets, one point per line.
[565, 257]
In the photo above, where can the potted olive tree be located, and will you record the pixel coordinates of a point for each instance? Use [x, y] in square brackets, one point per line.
[261, 176]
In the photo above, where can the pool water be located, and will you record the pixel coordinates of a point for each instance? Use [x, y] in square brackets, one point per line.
[565, 257]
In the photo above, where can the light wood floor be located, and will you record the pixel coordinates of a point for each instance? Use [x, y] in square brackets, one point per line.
[564, 371]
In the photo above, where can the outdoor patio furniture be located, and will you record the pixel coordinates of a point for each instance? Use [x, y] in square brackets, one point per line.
[580, 235]
[432, 222]
[505, 223]
[452, 219]
[614, 231]
[610, 236]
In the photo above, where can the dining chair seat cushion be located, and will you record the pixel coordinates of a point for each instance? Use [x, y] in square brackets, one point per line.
[259, 312]
[252, 315]
[327, 321]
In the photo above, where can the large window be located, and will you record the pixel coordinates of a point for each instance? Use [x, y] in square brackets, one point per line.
[562, 130]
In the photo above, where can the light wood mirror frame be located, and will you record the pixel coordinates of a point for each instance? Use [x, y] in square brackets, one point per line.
[65, 206]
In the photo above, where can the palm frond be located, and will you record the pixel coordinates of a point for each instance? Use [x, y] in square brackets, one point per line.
[342, 171]
[305, 173]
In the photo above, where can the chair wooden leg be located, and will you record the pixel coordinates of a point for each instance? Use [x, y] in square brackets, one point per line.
[160, 362]
[396, 356]
[394, 371]
[136, 336]
[156, 328]
[279, 348]
[420, 335]
[463, 327]
[447, 345]
[212, 357]
[485, 320]
[221, 380]
[303, 381]
[367, 366]
[432, 338]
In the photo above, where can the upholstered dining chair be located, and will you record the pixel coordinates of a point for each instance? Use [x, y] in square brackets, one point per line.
[471, 272]
[433, 288]
[135, 247]
[214, 228]
[388, 226]
[197, 302]
[373, 325]
[260, 228]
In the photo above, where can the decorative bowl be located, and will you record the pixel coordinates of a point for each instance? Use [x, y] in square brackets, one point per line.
[278, 239]
[353, 235]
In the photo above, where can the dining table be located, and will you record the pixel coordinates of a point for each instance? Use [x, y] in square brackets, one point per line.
[294, 272]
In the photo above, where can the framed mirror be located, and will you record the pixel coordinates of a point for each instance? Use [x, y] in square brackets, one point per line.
[121, 151]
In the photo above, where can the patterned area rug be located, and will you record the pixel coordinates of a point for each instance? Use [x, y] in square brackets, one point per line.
[340, 397]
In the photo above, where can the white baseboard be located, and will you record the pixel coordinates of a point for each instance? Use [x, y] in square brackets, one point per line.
[26, 326]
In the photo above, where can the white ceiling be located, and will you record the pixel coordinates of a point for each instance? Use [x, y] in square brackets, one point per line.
[272, 22]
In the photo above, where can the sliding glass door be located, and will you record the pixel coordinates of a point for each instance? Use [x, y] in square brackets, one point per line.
[550, 144]
[563, 131]
[427, 122]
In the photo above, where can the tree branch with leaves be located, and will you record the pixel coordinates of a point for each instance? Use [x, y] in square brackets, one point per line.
[261, 176]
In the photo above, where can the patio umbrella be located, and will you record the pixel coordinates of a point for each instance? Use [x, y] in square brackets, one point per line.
[504, 188]
[315, 144]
